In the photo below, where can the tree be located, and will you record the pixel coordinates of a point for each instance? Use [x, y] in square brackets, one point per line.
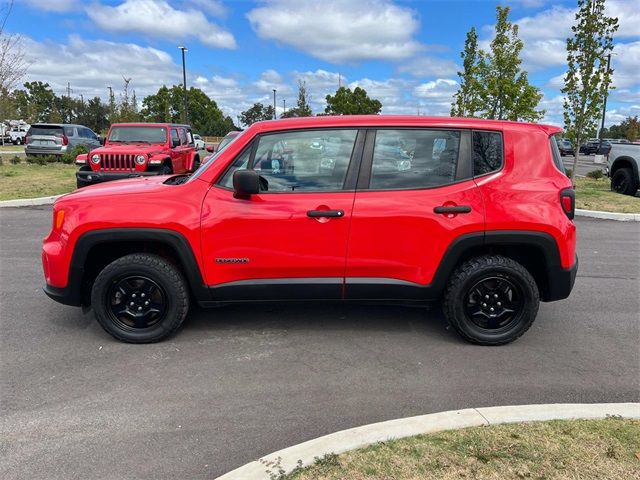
[467, 99]
[302, 108]
[356, 102]
[256, 113]
[13, 64]
[588, 78]
[629, 128]
[493, 84]
[37, 103]
[167, 105]
[94, 115]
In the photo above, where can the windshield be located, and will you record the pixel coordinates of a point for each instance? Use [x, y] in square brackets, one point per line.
[215, 155]
[138, 134]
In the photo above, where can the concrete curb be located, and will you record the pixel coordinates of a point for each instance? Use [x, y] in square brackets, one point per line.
[359, 437]
[620, 217]
[29, 202]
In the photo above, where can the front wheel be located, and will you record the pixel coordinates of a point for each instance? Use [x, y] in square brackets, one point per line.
[491, 300]
[140, 298]
[623, 182]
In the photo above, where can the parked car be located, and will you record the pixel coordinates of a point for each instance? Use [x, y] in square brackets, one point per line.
[58, 138]
[270, 220]
[18, 133]
[139, 149]
[593, 147]
[198, 142]
[565, 147]
[623, 165]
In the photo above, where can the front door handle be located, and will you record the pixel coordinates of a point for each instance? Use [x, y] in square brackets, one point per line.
[452, 209]
[325, 213]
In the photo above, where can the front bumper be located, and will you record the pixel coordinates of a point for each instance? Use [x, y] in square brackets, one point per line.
[90, 177]
[560, 282]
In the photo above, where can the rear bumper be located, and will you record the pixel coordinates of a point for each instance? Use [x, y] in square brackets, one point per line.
[65, 296]
[35, 150]
[560, 282]
[91, 177]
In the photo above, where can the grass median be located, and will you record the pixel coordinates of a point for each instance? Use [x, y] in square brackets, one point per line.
[27, 180]
[592, 194]
[584, 449]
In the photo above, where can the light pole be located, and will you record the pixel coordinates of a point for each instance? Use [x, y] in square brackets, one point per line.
[604, 105]
[274, 104]
[284, 106]
[185, 114]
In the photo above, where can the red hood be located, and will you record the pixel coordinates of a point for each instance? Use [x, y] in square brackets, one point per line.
[129, 186]
[130, 148]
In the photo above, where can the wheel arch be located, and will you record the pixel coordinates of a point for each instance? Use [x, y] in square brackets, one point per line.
[625, 162]
[536, 251]
[95, 250]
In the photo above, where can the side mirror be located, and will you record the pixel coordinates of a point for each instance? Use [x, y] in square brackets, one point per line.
[211, 148]
[246, 183]
[175, 142]
[102, 140]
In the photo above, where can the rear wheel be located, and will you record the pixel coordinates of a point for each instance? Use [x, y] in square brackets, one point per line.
[623, 182]
[140, 298]
[491, 300]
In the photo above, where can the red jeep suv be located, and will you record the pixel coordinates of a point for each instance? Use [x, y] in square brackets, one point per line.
[139, 149]
[476, 214]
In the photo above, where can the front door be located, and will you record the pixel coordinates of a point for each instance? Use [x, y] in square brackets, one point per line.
[416, 195]
[290, 240]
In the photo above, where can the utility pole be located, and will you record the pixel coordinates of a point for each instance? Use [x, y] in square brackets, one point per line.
[284, 105]
[339, 80]
[238, 118]
[185, 115]
[604, 105]
[68, 102]
[274, 104]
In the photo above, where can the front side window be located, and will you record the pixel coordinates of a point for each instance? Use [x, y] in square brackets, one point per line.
[405, 159]
[487, 152]
[300, 161]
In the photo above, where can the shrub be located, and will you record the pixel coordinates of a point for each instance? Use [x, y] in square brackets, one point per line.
[595, 174]
[15, 160]
[569, 172]
[43, 160]
[31, 159]
[70, 157]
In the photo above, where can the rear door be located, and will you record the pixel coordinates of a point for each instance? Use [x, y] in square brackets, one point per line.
[416, 195]
[290, 240]
[45, 137]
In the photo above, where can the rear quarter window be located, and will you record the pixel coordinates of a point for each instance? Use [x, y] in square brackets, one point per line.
[555, 154]
[488, 153]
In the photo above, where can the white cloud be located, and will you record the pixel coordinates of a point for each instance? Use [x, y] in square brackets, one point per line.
[54, 5]
[91, 66]
[210, 7]
[270, 79]
[429, 67]
[340, 31]
[157, 18]
[626, 64]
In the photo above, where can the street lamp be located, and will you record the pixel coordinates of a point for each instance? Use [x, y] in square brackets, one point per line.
[604, 105]
[284, 106]
[274, 104]
[185, 115]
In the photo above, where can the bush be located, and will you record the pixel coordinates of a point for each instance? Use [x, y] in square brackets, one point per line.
[70, 157]
[15, 160]
[569, 172]
[31, 159]
[595, 174]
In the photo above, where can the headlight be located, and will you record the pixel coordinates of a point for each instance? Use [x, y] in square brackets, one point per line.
[140, 159]
[95, 158]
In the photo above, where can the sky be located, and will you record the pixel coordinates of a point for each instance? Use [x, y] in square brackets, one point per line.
[404, 53]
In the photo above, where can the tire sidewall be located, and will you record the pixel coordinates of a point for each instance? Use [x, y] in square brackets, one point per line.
[100, 302]
[623, 174]
[521, 323]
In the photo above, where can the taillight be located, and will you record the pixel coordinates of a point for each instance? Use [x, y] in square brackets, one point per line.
[568, 202]
[65, 140]
[26, 140]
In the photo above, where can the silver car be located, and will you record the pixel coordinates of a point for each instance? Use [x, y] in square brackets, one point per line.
[58, 138]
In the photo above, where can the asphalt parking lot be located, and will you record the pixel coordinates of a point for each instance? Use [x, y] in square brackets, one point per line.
[239, 382]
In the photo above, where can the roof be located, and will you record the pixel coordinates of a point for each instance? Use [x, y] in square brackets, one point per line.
[399, 120]
[149, 124]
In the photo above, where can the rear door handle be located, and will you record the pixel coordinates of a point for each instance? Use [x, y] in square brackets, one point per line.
[452, 209]
[325, 213]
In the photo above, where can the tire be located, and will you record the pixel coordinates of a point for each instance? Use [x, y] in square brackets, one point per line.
[196, 164]
[121, 289]
[486, 284]
[165, 170]
[81, 183]
[623, 182]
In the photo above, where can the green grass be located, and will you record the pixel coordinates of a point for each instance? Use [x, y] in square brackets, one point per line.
[31, 180]
[576, 449]
[10, 147]
[597, 195]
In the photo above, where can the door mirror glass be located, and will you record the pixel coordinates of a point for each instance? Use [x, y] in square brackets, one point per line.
[175, 142]
[211, 148]
[246, 183]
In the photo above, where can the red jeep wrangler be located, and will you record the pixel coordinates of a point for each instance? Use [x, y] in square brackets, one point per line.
[139, 149]
[475, 213]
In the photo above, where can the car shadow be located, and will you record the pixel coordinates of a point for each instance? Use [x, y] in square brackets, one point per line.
[319, 316]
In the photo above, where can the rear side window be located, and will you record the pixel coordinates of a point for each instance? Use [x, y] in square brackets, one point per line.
[487, 152]
[407, 159]
[69, 131]
[174, 136]
[555, 154]
[183, 137]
